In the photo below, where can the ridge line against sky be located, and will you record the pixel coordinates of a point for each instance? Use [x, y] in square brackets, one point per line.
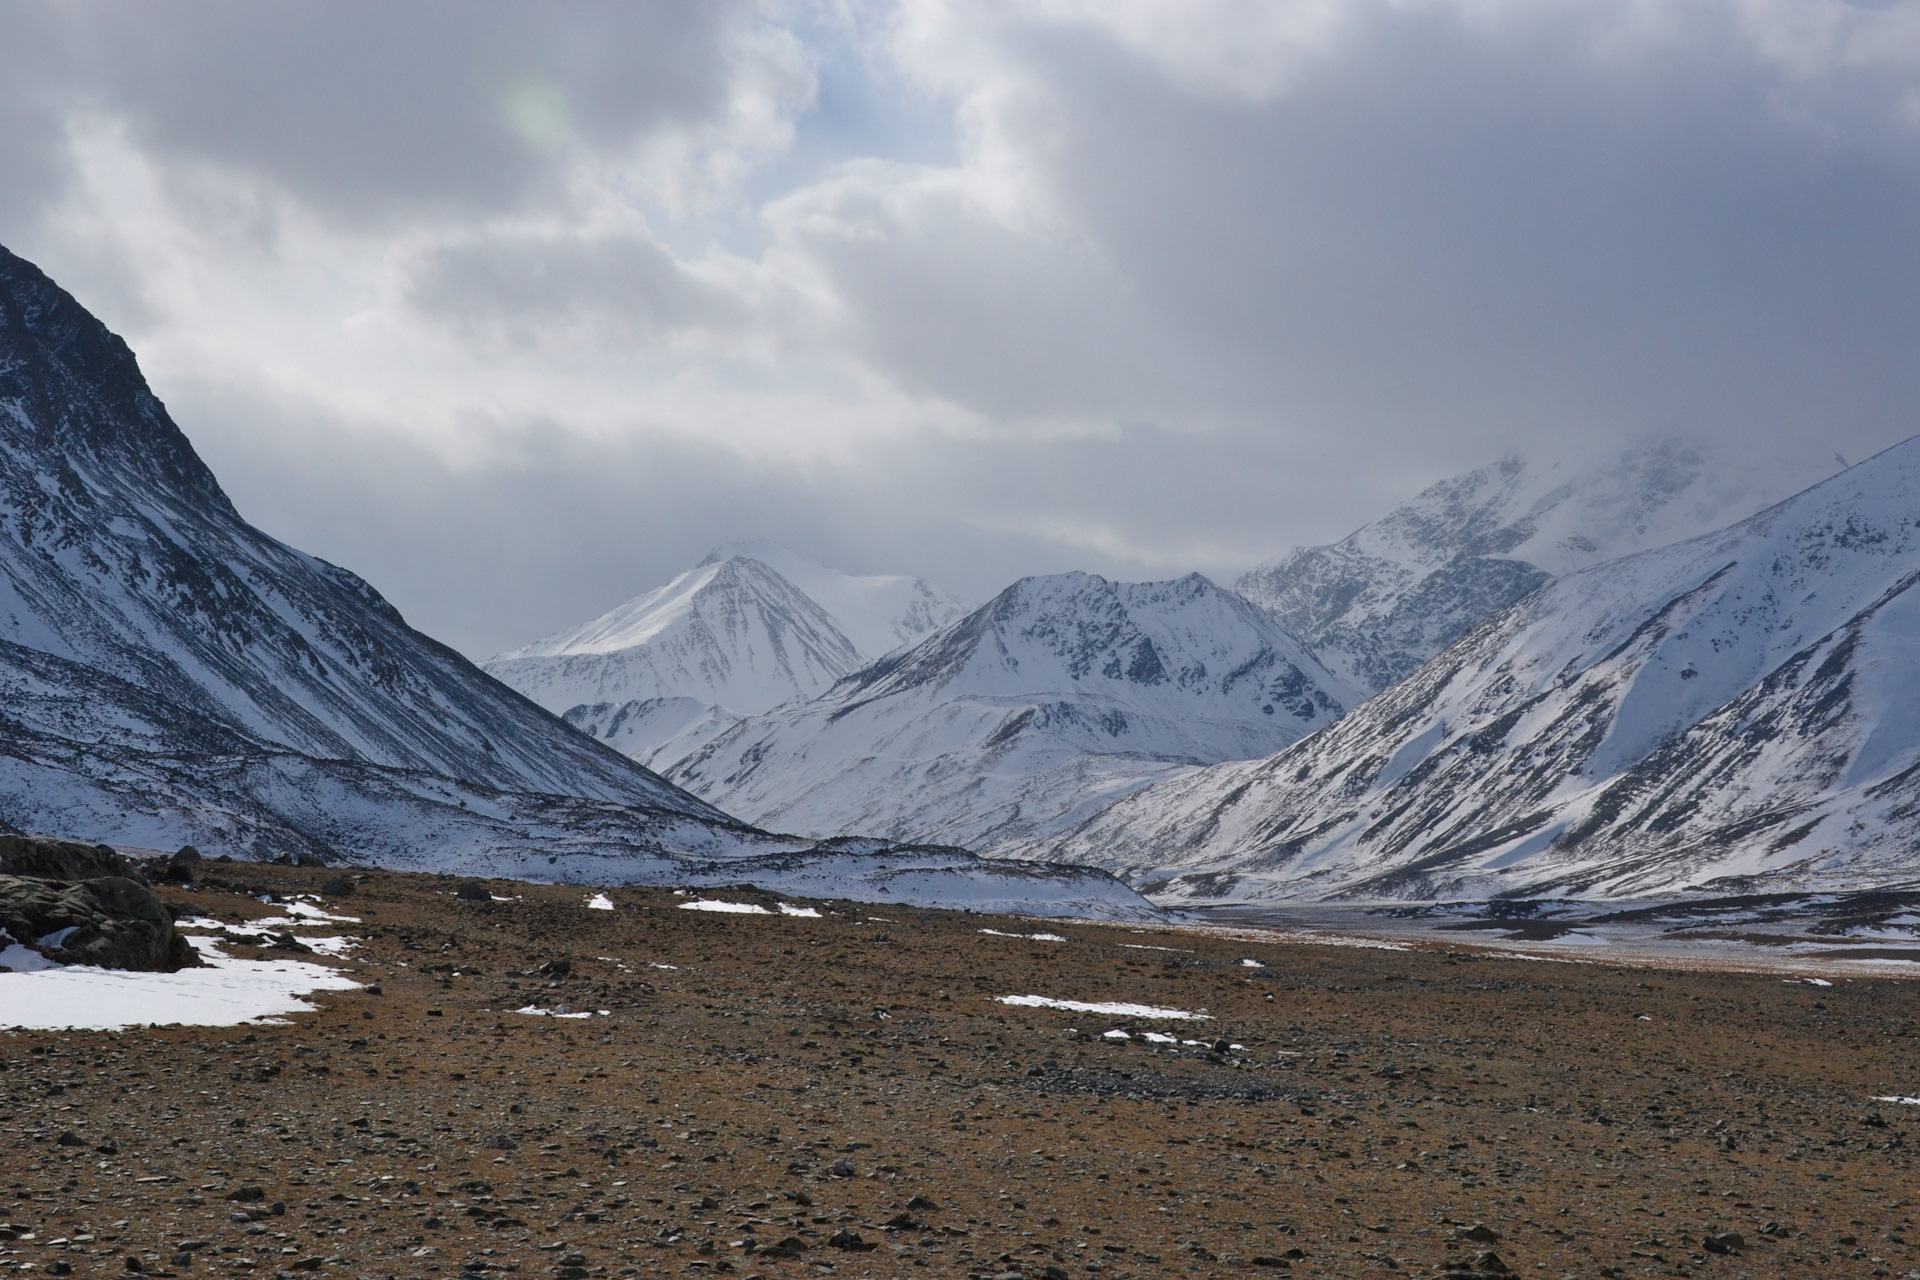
[518, 310]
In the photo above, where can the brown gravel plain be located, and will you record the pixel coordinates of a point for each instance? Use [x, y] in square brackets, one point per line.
[785, 1096]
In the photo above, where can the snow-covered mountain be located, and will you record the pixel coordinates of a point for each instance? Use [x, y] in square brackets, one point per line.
[730, 632]
[748, 628]
[1387, 597]
[879, 612]
[1736, 712]
[171, 675]
[1052, 699]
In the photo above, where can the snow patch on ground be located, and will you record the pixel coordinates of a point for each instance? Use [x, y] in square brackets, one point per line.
[1113, 1009]
[534, 1010]
[1031, 937]
[599, 902]
[223, 993]
[808, 913]
[729, 908]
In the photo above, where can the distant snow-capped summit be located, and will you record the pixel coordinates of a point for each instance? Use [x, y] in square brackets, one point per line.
[1056, 696]
[878, 612]
[1390, 595]
[748, 628]
[730, 632]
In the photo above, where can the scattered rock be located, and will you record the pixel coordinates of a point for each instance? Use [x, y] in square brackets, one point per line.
[845, 1239]
[338, 887]
[248, 1194]
[922, 1203]
[1490, 1263]
[180, 868]
[841, 1168]
[473, 891]
[1479, 1232]
[1724, 1242]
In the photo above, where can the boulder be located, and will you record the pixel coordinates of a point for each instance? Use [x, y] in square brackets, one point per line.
[180, 868]
[110, 921]
[62, 859]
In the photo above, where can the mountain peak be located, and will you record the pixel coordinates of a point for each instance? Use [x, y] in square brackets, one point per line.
[78, 390]
[1393, 593]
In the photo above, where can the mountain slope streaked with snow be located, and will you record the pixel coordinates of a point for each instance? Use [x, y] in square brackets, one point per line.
[1383, 600]
[1052, 699]
[1735, 713]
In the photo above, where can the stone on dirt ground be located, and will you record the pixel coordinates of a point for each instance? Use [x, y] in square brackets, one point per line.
[538, 1089]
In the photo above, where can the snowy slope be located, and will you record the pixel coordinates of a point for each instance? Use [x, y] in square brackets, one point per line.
[878, 612]
[1055, 697]
[653, 729]
[120, 554]
[1381, 601]
[1735, 712]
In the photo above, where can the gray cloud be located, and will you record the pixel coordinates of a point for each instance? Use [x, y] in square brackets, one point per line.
[533, 289]
[365, 108]
[518, 310]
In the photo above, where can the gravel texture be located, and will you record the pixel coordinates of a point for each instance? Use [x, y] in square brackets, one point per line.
[784, 1095]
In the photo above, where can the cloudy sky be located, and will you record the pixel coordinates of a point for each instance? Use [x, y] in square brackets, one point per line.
[518, 309]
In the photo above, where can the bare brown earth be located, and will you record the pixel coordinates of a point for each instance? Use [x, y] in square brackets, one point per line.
[812, 1080]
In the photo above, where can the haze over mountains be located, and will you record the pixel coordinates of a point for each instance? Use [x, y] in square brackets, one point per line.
[1739, 711]
[1390, 595]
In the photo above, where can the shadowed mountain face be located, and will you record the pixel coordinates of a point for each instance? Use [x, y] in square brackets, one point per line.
[1735, 713]
[141, 616]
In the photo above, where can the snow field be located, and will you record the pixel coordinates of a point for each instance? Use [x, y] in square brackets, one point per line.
[224, 993]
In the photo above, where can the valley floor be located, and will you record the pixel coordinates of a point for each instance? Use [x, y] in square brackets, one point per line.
[784, 1094]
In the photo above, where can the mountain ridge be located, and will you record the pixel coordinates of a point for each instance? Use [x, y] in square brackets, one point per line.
[1729, 712]
[1059, 693]
[1398, 590]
